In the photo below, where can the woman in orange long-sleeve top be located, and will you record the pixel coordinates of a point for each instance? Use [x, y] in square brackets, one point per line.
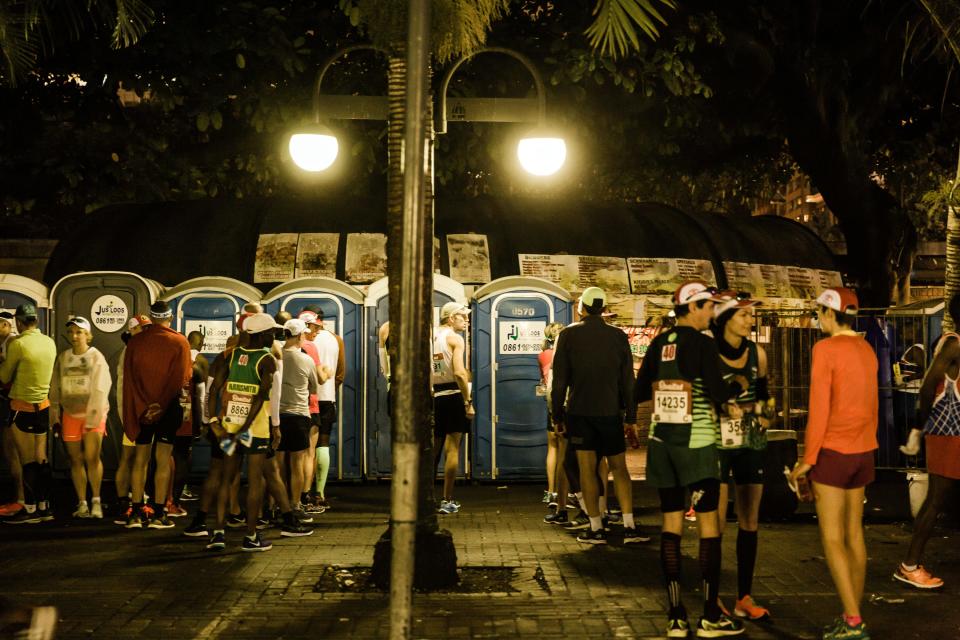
[838, 453]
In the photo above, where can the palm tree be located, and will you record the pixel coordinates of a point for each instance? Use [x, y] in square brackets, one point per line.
[32, 28]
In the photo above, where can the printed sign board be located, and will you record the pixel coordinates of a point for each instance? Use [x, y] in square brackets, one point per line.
[109, 314]
[521, 336]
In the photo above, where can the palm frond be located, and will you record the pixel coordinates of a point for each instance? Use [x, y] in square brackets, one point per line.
[614, 31]
[19, 49]
[133, 20]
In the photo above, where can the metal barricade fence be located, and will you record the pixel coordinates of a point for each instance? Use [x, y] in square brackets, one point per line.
[902, 341]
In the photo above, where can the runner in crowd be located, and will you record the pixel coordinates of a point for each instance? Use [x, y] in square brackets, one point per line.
[8, 332]
[79, 403]
[128, 450]
[452, 404]
[309, 318]
[193, 402]
[156, 366]
[939, 413]
[554, 458]
[592, 390]
[330, 350]
[840, 439]
[742, 443]
[29, 366]
[681, 374]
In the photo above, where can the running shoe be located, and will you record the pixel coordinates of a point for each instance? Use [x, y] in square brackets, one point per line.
[96, 511]
[10, 509]
[124, 515]
[593, 537]
[582, 521]
[257, 544]
[263, 523]
[840, 630]
[218, 541]
[919, 577]
[632, 535]
[559, 517]
[615, 517]
[197, 529]
[678, 628]
[176, 511]
[747, 608]
[324, 504]
[146, 511]
[723, 608]
[295, 530]
[546, 497]
[723, 627]
[552, 502]
[237, 521]
[44, 515]
[448, 507]
[690, 515]
[160, 521]
[300, 514]
[83, 511]
[24, 517]
[188, 496]
[134, 520]
[313, 507]
[572, 502]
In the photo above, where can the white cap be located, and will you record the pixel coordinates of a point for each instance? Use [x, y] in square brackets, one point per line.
[840, 299]
[733, 300]
[295, 326]
[79, 321]
[308, 317]
[453, 308]
[258, 323]
[694, 291]
[592, 296]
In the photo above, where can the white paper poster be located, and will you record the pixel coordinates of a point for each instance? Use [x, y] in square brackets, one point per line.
[662, 276]
[521, 337]
[469, 258]
[576, 273]
[276, 256]
[366, 259]
[215, 333]
[317, 255]
[109, 313]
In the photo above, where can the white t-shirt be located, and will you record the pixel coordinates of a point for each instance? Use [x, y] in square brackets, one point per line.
[299, 381]
[328, 348]
[443, 360]
[81, 385]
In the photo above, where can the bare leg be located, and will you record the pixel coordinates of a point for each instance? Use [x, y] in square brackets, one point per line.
[77, 472]
[275, 487]
[834, 514]
[139, 474]
[211, 485]
[235, 488]
[561, 474]
[230, 470]
[589, 482]
[551, 461]
[122, 478]
[309, 461]
[254, 490]
[451, 463]
[927, 517]
[13, 459]
[621, 482]
[161, 478]
[92, 443]
[298, 463]
[722, 507]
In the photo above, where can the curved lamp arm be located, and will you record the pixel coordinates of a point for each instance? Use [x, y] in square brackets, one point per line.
[525, 61]
[329, 63]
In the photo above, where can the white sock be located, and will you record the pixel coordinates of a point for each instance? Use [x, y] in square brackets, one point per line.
[583, 505]
[43, 505]
[95, 500]
[596, 523]
[30, 507]
[908, 567]
[628, 521]
[82, 503]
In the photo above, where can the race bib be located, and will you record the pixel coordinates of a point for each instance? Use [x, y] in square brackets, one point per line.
[76, 385]
[672, 402]
[438, 364]
[732, 433]
[237, 411]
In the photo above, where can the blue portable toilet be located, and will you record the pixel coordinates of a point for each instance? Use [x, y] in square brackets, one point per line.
[342, 306]
[508, 320]
[378, 461]
[210, 305]
[16, 290]
[108, 299]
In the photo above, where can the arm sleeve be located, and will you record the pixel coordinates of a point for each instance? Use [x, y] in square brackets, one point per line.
[718, 389]
[341, 361]
[54, 394]
[99, 403]
[561, 376]
[821, 379]
[275, 397]
[626, 380]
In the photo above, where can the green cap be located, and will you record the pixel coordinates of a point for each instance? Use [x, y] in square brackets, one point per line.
[26, 311]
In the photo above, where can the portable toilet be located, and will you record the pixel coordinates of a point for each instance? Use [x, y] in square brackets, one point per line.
[342, 306]
[507, 324]
[378, 462]
[108, 299]
[210, 305]
[16, 290]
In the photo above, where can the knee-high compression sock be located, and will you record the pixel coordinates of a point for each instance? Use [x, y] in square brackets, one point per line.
[572, 469]
[670, 563]
[31, 476]
[44, 482]
[181, 461]
[323, 467]
[746, 560]
[710, 551]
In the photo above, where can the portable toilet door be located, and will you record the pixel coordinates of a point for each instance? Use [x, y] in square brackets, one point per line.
[509, 318]
[378, 461]
[108, 299]
[16, 290]
[342, 306]
[211, 306]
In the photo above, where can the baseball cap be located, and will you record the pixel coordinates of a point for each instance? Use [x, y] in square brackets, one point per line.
[453, 308]
[138, 321]
[839, 299]
[695, 291]
[733, 300]
[79, 321]
[295, 326]
[26, 310]
[308, 317]
[160, 310]
[593, 296]
[258, 322]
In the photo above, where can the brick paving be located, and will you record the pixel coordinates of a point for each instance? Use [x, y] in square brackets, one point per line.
[112, 583]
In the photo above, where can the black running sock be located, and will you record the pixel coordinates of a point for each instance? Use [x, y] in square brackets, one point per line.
[572, 468]
[44, 483]
[710, 551]
[746, 560]
[30, 474]
[670, 563]
[158, 509]
[288, 518]
[201, 517]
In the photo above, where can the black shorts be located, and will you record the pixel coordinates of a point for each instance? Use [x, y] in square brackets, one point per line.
[602, 434]
[294, 432]
[327, 417]
[745, 465]
[163, 430]
[450, 415]
[35, 422]
[257, 446]
[704, 497]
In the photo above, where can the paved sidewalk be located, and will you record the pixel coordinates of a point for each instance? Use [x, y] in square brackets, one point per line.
[112, 583]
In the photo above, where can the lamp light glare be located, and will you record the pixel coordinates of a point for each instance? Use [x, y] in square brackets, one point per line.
[313, 151]
[542, 156]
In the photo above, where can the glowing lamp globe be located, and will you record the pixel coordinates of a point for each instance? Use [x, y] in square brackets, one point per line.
[542, 155]
[314, 151]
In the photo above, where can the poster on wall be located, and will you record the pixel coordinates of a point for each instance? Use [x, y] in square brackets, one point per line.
[743, 276]
[829, 279]
[366, 258]
[662, 276]
[276, 256]
[558, 269]
[469, 257]
[576, 273]
[804, 283]
[317, 255]
[627, 309]
[776, 281]
[640, 339]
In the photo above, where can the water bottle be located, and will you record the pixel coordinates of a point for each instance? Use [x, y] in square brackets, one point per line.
[228, 446]
[245, 438]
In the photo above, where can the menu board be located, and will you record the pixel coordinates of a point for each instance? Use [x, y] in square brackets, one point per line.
[746, 277]
[804, 283]
[829, 279]
[776, 281]
[576, 273]
[662, 276]
[469, 257]
[275, 258]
